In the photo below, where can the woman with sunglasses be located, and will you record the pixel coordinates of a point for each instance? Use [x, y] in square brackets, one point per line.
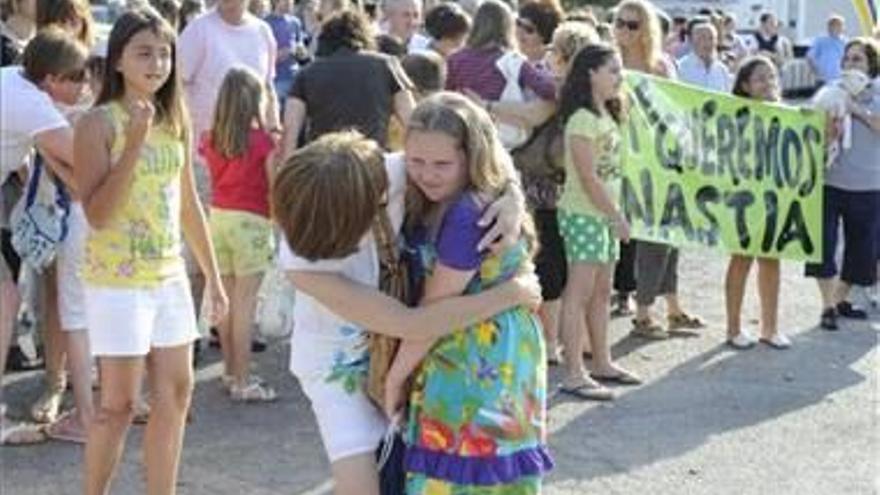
[639, 39]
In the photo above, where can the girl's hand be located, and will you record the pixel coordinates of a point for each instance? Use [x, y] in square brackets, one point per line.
[140, 121]
[505, 216]
[621, 229]
[218, 304]
[528, 290]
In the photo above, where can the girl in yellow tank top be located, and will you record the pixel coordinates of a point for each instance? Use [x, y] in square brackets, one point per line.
[132, 167]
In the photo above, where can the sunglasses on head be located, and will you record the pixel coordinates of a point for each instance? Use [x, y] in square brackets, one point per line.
[631, 25]
[526, 26]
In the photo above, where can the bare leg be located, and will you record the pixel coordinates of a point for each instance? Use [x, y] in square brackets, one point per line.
[45, 409]
[9, 302]
[826, 290]
[171, 384]
[578, 291]
[597, 319]
[120, 388]
[224, 329]
[841, 291]
[244, 300]
[734, 290]
[550, 314]
[355, 475]
[768, 291]
[79, 362]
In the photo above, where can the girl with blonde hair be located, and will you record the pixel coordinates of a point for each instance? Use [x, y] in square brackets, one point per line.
[239, 153]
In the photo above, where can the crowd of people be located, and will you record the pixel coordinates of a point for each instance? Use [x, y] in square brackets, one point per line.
[153, 177]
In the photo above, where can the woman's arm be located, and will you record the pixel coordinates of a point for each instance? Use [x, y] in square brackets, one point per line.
[583, 153]
[104, 185]
[56, 146]
[871, 119]
[195, 231]
[368, 307]
[294, 118]
[403, 105]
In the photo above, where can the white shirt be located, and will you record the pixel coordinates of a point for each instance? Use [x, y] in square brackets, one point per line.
[209, 47]
[323, 343]
[692, 70]
[25, 112]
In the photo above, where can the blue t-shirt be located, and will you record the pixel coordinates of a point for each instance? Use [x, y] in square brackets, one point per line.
[288, 32]
[826, 54]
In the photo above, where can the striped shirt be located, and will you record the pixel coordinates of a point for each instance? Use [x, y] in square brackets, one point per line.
[474, 69]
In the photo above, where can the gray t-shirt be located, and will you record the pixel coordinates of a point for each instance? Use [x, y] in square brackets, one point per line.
[858, 168]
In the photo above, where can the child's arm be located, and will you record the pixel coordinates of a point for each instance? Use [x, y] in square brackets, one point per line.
[195, 230]
[102, 185]
[583, 153]
[368, 307]
[294, 118]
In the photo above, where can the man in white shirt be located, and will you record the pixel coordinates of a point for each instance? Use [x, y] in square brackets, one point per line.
[702, 67]
[402, 19]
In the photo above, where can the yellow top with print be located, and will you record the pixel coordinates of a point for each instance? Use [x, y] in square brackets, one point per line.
[141, 245]
[605, 136]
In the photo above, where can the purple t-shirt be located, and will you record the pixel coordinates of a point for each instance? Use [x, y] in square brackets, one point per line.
[459, 235]
[474, 69]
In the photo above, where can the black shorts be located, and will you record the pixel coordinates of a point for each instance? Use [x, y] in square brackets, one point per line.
[550, 263]
[859, 211]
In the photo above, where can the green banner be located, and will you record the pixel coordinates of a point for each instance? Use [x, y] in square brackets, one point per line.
[703, 168]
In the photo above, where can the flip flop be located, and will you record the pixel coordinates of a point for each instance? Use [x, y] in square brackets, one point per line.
[685, 321]
[588, 392]
[66, 429]
[622, 378]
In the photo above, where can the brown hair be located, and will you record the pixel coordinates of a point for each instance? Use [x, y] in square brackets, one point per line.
[168, 99]
[492, 26]
[327, 195]
[239, 106]
[59, 12]
[54, 52]
[746, 69]
[872, 52]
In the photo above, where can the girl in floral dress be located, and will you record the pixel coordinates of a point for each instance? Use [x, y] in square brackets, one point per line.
[476, 421]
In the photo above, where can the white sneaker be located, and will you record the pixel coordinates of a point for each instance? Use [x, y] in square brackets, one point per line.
[743, 340]
[779, 341]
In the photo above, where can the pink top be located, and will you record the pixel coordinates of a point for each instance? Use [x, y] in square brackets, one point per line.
[240, 183]
[209, 47]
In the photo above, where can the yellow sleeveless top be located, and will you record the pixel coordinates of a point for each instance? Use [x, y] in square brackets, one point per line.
[141, 245]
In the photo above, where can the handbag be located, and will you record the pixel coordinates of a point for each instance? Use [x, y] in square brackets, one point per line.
[39, 222]
[540, 163]
[394, 281]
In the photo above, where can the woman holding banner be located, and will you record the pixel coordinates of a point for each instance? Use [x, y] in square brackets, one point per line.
[852, 195]
[637, 31]
[757, 79]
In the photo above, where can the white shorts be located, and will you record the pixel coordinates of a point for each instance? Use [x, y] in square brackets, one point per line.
[349, 423]
[129, 322]
[71, 288]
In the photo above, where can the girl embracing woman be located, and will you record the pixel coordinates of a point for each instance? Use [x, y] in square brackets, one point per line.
[133, 169]
[590, 219]
[239, 153]
[477, 416]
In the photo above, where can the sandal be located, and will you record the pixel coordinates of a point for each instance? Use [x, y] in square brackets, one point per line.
[254, 391]
[685, 321]
[587, 391]
[648, 329]
[621, 305]
[46, 408]
[67, 429]
[622, 377]
[141, 412]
